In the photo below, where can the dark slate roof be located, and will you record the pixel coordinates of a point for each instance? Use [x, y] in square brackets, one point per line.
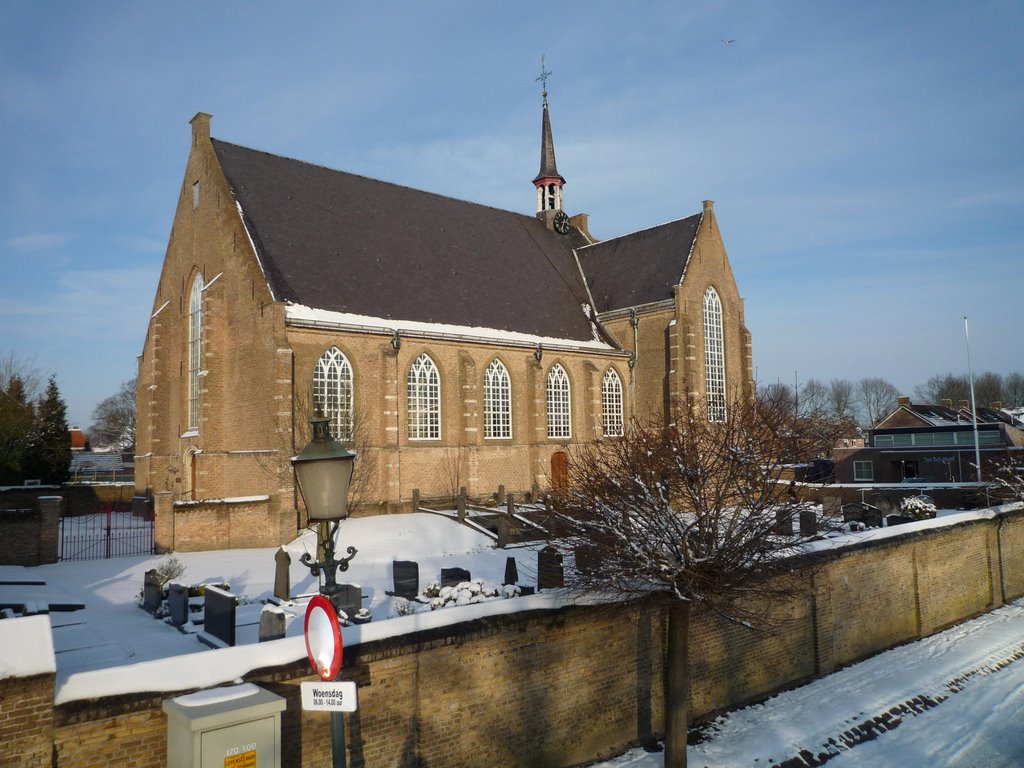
[548, 166]
[941, 415]
[639, 268]
[336, 241]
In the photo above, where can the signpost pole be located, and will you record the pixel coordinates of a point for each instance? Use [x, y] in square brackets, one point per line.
[338, 738]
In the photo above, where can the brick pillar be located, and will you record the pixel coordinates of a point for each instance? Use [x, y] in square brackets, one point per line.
[49, 523]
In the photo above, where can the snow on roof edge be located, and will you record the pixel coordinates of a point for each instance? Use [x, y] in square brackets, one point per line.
[28, 647]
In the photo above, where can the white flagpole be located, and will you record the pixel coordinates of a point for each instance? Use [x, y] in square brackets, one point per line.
[974, 408]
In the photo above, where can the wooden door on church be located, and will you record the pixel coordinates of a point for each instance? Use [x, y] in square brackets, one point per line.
[560, 471]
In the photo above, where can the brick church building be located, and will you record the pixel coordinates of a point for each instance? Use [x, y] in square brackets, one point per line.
[453, 344]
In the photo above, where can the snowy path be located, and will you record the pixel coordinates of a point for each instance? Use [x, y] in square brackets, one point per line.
[954, 699]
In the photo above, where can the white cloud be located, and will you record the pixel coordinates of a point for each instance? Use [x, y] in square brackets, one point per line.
[40, 241]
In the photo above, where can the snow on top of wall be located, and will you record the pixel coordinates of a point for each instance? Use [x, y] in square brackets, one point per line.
[302, 313]
[27, 645]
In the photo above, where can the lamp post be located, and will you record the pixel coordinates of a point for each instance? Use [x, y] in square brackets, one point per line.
[323, 471]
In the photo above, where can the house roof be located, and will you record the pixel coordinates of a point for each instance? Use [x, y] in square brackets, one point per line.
[944, 416]
[639, 268]
[345, 243]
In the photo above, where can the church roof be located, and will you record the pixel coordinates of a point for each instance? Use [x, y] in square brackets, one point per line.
[641, 267]
[548, 166]
[344, 243]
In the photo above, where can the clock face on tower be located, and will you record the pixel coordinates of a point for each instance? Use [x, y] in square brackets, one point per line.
[561, 223]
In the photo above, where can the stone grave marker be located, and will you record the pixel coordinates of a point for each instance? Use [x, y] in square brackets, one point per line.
[272, 623]
[550, 573]
[511, 571]
[504, 532]
[282, 577]
[451, 577]
[220, 614]
[898, 520]
[808, 522]
[406, 576]
[784, 522]
[177, 601]
[152, 591]
[588, 560]
[348, 598]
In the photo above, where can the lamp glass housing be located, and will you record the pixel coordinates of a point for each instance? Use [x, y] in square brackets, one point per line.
[324, 471]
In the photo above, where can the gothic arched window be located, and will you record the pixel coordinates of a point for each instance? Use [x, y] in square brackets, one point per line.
[559, 403]
[195, 348]
[497, 401]
[714, 356]
[424, 399]
[332, 392]
[611, 403]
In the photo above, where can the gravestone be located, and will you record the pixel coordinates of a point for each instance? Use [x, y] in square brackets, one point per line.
[220, 614]
[451, 577]
[784, 522]
[511, 571]
[415, 499]
[282, 578]
[500, 496]
[504, 532]
[550, 573]
[587, 558]
[872, 517]
[898, 520]
[152, 591]
[808, 522]
[348, 598]
[510, 507]
[462, 503]
[406, 575]
[272, 623]
[177, 601]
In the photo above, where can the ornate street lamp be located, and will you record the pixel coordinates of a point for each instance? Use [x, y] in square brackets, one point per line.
[323, 471]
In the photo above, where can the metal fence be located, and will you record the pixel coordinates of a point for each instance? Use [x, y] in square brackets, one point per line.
[110, 533]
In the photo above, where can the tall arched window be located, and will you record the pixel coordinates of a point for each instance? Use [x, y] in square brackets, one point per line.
[195, 348]
[497, 401]
[332, 392]
[714, 356]
[424, 399]
[611, 403]
[559, 403]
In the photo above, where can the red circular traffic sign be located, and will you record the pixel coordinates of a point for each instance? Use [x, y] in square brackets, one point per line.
[323, 637]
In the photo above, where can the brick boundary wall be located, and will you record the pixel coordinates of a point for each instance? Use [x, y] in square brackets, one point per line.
[29, 535]
[555, 688]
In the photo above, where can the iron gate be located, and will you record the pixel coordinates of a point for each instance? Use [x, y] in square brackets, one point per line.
[105, 534]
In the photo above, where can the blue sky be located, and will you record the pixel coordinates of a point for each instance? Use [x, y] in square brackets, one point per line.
[866, 159]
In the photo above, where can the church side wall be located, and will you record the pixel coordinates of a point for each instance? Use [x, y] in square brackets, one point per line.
[390, 465]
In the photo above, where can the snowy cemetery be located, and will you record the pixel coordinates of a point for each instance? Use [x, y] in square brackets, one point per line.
[159, 626]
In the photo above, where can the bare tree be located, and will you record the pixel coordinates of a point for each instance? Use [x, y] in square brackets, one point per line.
[698, 511]
[943, 386]
[877, 398]
[841, 404]
[113, 420]
[813, 397]
[1013, 390]
[988, 388]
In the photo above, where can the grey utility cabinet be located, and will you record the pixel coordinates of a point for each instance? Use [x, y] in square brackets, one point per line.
[234, 727]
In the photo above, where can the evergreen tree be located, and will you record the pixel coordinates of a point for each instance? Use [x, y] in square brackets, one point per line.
[16, 421]
[48, 454]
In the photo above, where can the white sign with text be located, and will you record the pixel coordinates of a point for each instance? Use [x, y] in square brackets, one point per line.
[331, 696]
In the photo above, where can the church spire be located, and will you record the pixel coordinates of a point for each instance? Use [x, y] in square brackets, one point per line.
[548, 181]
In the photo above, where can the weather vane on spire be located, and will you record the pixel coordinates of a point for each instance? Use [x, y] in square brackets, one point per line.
[544, 75]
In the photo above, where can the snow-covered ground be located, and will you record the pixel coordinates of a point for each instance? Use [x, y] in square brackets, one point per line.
[952, 699]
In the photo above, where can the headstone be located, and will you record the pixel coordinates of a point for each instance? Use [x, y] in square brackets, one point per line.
[587, 558]
[406, 575]
[504, 532]
[152, 591]
[872, 517]
[784, 522]
[348, 598]
[510, 507]
[511, 571]
[282, 578]
[272, 623]
[177, 601]
[501, 494]
[462, 503]
[451, 577]
[415, 499]
[898, 520]
[808, 522]
[220, 614]
[550, 574]
[524, 591]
